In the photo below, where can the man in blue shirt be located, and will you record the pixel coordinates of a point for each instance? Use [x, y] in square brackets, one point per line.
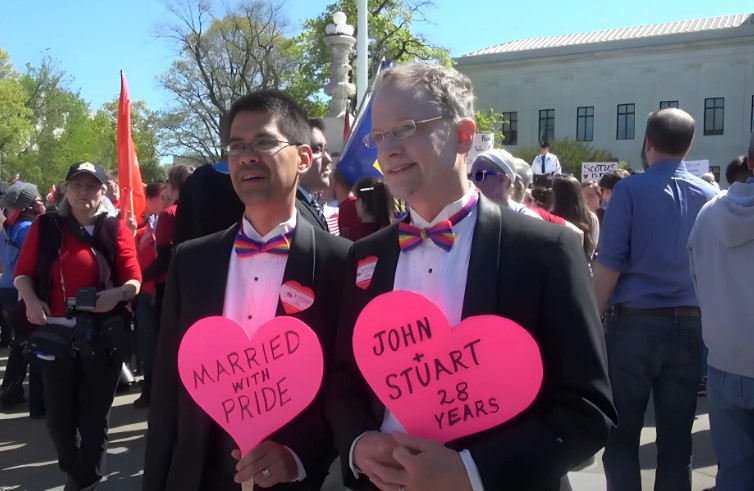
[653, 327]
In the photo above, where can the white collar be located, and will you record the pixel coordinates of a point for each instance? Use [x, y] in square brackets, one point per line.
[447, 212]
[282, 229]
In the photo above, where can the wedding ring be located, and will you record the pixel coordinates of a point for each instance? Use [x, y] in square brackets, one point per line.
[266, 472]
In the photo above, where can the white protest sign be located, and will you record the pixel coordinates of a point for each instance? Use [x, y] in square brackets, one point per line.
[593, 171]
[482, 143]
[697, 167]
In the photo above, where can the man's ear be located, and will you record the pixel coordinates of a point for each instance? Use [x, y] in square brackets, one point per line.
[466, 129]
[305, 159]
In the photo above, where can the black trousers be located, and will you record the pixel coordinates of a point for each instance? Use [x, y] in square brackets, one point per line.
[78, 395]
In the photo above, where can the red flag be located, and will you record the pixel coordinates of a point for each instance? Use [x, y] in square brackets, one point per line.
[132, 199]
[346, 126]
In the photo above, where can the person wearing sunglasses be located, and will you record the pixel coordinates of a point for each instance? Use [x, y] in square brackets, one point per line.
[492, 172]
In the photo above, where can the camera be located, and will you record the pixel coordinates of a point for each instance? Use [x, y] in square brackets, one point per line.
[86, 329]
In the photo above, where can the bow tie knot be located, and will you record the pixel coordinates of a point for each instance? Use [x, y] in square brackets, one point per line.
[410, 236]
[246, 247]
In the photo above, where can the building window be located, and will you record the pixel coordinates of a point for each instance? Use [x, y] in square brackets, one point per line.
[667, 104]
[585, 124]
[714, 115]
[547, 124]
[625, 129]
[510, 128]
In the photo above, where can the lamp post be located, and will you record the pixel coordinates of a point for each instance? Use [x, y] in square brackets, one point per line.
[339, 41]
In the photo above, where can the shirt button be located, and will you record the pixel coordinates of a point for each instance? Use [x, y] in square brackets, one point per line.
[430, 271]
[248, 317]
[256, 278]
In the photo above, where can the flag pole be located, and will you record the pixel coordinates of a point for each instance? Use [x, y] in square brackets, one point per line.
[362, 55]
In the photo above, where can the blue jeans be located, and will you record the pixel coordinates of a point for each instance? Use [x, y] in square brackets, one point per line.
[731, 414]
[662, 356]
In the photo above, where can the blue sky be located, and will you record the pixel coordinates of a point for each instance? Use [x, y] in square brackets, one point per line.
[92, 40]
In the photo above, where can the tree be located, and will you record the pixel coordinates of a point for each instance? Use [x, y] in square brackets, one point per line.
[63, 130]
[491, 122]
[390, 37]
[220, 59]
[571, 154]
[15, 117]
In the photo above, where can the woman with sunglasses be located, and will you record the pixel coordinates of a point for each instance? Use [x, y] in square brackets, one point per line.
[492, 172]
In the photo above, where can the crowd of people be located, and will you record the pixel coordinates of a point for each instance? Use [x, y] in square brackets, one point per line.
[621, 282]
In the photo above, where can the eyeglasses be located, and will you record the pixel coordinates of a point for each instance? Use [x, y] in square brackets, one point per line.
[319, 149]
[263, 145]
[402, 130]
[481, 175]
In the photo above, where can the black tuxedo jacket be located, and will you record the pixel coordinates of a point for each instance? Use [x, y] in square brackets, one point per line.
[534, 273]
[309, 212]
[181, 435]
[208, 204]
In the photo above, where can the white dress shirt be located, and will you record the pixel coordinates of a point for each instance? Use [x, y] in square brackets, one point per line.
[438, 275]
[253, 286]
[552, 164]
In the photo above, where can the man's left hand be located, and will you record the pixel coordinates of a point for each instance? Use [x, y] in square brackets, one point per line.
[275, 459]
[427, 466]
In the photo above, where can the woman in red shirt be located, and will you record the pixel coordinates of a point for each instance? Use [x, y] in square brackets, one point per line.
[67, 257]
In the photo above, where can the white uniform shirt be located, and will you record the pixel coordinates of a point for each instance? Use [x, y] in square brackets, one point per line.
[552, 164]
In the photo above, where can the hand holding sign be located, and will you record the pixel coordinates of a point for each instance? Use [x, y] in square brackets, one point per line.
[251, 386]
[442, 383]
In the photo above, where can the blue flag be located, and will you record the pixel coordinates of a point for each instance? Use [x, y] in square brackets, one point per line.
[357, 160]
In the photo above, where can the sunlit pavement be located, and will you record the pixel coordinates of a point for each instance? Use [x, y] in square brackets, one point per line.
[27, 457]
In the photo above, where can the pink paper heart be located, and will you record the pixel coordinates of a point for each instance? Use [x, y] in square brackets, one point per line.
[251, 386]
[443, 383]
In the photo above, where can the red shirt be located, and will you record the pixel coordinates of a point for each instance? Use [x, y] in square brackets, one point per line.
[351, 226]
[146, 253]
[164, 233]
[79, 265]
[549, 217]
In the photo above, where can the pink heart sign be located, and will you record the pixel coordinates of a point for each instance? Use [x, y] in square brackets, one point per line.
[251, 386]
[444, 383]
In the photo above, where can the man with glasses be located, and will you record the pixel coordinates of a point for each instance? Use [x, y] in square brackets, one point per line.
[317, 179]
[494, 262]
[240, 274]
[492, 172]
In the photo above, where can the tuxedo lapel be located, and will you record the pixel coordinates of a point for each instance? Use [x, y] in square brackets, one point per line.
[387, 262]
[483, 274]
[215, 272]
[301, 264]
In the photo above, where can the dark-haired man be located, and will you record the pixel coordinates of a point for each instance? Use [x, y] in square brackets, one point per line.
[317, 179]
[654, 339]
[268, 151]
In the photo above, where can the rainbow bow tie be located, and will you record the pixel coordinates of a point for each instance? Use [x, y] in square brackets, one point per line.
[246, 247]
[441, 234]
[410, 236]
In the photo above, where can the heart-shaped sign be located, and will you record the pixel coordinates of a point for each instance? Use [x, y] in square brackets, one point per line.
[251, 386]
[296, 297]
[444, 383]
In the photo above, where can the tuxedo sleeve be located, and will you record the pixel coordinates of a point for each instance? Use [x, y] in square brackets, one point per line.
[162, 421]
[348, 398]
[573, 413]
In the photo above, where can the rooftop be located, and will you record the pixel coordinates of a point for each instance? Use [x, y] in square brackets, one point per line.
[620, 34]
